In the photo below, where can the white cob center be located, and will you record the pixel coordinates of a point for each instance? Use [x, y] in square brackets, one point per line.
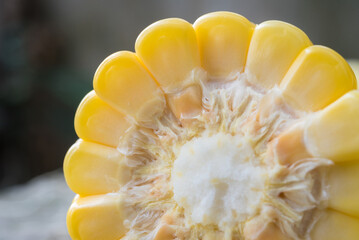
[218, 180]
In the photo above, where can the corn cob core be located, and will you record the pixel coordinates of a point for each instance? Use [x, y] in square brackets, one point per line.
[220, 130]
[222, 171]
[218, 180]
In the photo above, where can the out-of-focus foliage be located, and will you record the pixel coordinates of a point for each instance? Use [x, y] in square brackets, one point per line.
[39, 92]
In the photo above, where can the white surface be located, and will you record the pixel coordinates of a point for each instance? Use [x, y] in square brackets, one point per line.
[215, 177]
[36, 210]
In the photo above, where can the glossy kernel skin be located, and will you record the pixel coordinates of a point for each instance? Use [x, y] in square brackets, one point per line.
[273, 48]
[333, 132]
[97, 217]
[169, 50]
[318, 77]
[96, 121]
[92, 169]
[124, 83]
[343, 181]
[223, 40]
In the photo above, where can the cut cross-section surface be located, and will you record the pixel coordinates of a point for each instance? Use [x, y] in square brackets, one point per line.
[218, 130]
[218, 179]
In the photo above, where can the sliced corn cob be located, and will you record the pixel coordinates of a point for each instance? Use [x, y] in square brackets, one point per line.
[220, 130]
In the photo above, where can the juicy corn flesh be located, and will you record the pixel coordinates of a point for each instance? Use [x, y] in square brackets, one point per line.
[220, 130]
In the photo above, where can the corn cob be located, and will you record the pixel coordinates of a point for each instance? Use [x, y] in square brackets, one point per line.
[218, 130]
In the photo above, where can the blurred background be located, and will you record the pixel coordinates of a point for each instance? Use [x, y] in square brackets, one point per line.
[49, 51]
